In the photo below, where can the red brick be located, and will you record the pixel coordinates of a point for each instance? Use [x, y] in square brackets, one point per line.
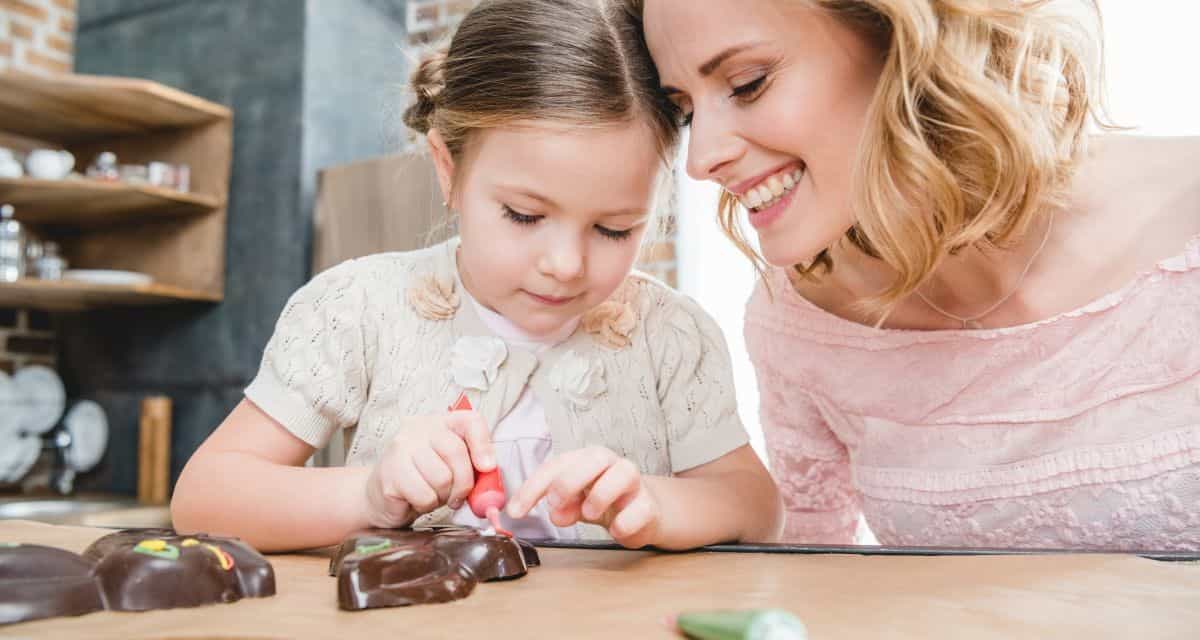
[66, 25]
[21, 31]
[46, 63]
[62, 45]
[24, 8]
[69, 5]
[6, 49]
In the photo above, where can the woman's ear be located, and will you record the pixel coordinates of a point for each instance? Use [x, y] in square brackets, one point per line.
[443, 163]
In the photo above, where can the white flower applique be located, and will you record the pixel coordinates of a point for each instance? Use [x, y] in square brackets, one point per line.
[475, 361]
[434, 298]
[580, 380]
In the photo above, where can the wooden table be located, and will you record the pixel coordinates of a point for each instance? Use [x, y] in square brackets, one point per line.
[626, 594]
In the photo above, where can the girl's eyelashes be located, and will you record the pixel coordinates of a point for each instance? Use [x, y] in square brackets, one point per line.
[614, 234]
[519, 218]
[525, 219]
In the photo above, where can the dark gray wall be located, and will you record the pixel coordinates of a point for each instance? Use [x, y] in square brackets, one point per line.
[310, 83]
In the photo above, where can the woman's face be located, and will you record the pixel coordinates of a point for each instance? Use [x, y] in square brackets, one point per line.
[777, 93]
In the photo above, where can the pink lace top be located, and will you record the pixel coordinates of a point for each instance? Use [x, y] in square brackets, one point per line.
[1082, 430]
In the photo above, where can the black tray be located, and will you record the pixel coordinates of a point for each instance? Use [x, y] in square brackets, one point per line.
[871, 550]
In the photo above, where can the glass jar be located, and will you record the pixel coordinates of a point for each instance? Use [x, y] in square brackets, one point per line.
[50, 266]
[12, 245]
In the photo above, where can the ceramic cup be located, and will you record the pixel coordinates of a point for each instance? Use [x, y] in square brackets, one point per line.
[49, 164]
[9, 166]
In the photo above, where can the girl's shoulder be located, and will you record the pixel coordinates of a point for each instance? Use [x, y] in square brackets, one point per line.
[381, 275]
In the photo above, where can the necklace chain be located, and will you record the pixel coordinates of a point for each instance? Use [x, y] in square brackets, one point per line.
[973, 321]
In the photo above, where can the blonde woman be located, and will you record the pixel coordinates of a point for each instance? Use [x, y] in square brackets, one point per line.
[978, 318]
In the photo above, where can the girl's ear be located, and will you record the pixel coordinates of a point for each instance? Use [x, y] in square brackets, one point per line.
[443, 163]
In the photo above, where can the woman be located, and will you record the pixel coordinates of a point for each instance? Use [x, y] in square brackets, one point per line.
[978, 320]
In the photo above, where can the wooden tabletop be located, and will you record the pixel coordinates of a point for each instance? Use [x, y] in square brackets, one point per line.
[627, 594]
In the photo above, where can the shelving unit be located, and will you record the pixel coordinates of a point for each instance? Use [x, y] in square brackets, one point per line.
[176, 238]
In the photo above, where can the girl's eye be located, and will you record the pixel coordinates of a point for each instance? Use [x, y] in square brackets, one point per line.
[684, 119]
[613, 234]
[519, 218]
[749, 90]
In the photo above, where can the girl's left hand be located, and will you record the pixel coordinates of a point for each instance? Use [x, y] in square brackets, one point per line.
[597, 486]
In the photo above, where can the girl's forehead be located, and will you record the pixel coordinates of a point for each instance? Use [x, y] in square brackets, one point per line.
[618, 162]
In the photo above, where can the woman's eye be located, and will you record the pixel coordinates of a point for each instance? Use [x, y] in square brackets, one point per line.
[747, 91]
[614, 234]
[519, 218]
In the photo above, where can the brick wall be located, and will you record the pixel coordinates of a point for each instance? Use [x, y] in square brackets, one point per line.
[26, 338]
[37, 36]
[428, 21]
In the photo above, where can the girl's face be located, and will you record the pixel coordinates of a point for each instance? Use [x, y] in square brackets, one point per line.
[778, 92]
[551, 217]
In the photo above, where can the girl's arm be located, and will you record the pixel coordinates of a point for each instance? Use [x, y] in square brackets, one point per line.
[248, 480]
[731, 499]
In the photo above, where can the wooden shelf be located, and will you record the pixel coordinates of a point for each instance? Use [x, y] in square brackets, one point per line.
[73, 108]
[82, 202]
[69, 295]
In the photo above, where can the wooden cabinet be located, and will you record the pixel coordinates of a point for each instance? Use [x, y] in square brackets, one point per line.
[176, 238]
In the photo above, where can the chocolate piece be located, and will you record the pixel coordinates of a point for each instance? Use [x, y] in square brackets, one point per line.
[139, 570]
[400, 567]
[44, 582]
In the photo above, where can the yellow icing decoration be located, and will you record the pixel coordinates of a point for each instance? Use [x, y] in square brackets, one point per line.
[190, 542]
[223, 558]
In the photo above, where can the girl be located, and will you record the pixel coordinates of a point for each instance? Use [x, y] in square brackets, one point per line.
[983, 323]
[604, 397]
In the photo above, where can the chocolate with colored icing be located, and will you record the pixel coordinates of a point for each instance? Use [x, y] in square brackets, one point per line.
[399, 567]
[44, 582]
[163, 570]
[132, 570]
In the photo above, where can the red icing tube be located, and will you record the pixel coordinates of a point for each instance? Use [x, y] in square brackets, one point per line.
[487, 496]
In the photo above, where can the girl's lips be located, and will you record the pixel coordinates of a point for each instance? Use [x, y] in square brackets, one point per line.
[548, 300]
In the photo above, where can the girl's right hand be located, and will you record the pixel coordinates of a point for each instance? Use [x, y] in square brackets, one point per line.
[431, 461]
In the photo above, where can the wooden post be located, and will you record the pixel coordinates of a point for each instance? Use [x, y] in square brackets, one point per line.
[154, 450]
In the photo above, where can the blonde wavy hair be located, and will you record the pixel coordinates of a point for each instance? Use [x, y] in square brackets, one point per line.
[978, 123]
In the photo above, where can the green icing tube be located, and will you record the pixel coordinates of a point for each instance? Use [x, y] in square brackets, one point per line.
[754, 624]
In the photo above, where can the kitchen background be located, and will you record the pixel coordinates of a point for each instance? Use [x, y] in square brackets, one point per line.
[317, 84]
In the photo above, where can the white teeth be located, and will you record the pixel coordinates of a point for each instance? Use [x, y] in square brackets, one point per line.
[751, 199]
[771, 189]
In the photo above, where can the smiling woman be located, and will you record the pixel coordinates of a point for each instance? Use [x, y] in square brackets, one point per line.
[971, 323]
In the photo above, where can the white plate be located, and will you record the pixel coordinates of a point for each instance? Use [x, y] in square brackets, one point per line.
[10, 413]
[107, 276]
[88, 427]
[40, 398]
[17, 456]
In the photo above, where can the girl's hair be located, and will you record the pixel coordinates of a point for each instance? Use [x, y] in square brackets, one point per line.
[581, 63]
[978, 122]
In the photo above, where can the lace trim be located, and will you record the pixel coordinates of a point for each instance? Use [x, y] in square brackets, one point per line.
[1120, 462]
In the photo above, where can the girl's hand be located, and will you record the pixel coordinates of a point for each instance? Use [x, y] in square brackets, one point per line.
[593, 485]
[430, 462]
